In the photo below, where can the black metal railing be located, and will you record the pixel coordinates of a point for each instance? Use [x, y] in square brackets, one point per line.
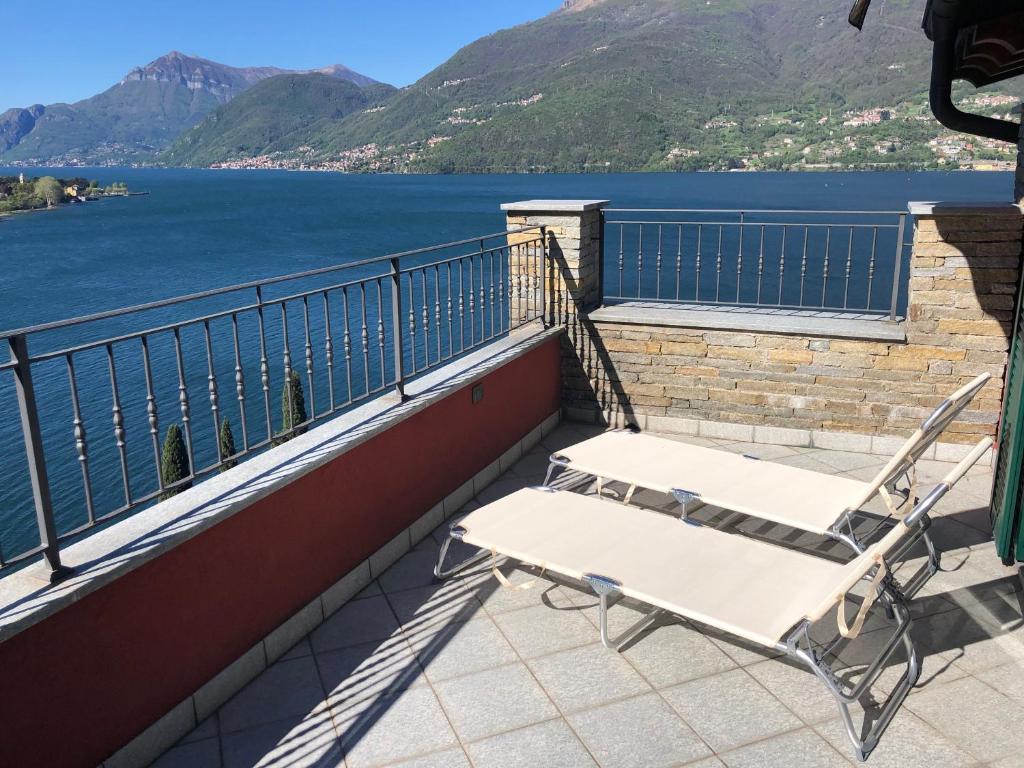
[848, 261]
[326, 339]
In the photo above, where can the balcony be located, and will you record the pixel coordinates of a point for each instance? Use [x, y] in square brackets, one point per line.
[467, 672]
[271, 601]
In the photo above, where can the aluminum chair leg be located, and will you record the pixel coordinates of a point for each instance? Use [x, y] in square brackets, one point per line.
[605, 588]
[456, 534]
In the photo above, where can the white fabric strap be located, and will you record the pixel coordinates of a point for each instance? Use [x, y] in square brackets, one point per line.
[503, 580]
[911, 501]
[850, 632]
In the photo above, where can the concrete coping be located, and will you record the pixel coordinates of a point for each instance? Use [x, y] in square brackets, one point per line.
[964, 209]
[817, 323]
[27, 597]
[555, 206]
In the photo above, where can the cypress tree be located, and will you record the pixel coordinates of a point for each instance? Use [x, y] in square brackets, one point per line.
[227, 445]
[293, 408]
[174, 464]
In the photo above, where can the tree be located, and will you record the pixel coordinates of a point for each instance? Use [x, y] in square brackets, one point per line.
[174, 464]
[293, 408]
[227, 446]
[50, 190]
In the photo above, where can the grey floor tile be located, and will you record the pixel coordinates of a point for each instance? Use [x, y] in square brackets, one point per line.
[975, 717]
[673, 653]
[974, 644]
[503, 486]
[798, 688]
[542, 629]
[300, 649]
[907, 743]
[205, 730]
[358, 621]
[194, 754]
[638, 733]
[494, 701]
[499, 599]
[285, 689]
[1007, 679]
[396, 729]
[803, 747]
[413, 569]
[426, 608]
[730, 709]
[533, 466]
[296, 743]
[462, 648]
[551, 744]
[448, 758]
[708, 762]
[582, 678]
[356, 677]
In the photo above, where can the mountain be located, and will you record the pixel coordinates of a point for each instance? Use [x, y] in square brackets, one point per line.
[138, 116]
[278, 113]
[649, 85]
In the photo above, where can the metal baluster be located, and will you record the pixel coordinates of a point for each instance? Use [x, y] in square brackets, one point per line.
[760, 266]
[426, 319]
[240, 383]
[679, 260]
[151, 414]
[490, 287]
[365, 338]
[782, 262]
[186, 411]
[640, 262]
[437, 308]
[739, 262]
[803, 266]
[849, 268]
[451, 327]
[346, 343]
[622, 255]
[380, 331]
[35, 456]
[119, 433]
[264, 363]
[329, 348]
[309, 358]
[211, 386]
[718, 268]
[81, 444]
[412, 322]
[871, 263]
[462, 313]
[700, 238]
[396, 326]
[897, 267]
[472, 305]
[828, 245]
[286, 426]
[657, 264]
[483, 308]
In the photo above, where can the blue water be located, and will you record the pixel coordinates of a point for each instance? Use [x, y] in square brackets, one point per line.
[202, 229]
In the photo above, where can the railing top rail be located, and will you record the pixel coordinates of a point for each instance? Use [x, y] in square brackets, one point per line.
[755, 211]
[809, 224]
[108, 314]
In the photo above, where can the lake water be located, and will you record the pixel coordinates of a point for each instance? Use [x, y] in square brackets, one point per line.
[203, 229]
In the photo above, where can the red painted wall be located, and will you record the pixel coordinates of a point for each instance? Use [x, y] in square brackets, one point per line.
[80, 684]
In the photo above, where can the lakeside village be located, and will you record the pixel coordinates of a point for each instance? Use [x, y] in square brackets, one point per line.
[19, 193]
[901, 137]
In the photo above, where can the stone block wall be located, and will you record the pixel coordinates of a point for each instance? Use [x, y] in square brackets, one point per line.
[965, 268]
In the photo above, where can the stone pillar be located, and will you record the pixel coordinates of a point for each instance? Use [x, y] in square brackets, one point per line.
[573, 276]
[573, 230]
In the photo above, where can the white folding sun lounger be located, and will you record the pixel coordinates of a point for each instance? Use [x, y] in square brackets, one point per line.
[763, 593]
[811, 501]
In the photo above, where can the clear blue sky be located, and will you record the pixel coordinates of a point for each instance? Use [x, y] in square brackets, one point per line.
[67, 51]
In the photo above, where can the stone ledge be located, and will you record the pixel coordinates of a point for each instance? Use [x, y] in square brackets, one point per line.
[554, 206]
[964, 209]
[27, 597]
[837, 325]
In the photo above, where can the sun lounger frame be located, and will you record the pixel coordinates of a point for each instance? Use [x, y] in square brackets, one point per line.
[797, 643]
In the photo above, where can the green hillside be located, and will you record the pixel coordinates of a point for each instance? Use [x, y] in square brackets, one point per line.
[651, 85]
[278, 113]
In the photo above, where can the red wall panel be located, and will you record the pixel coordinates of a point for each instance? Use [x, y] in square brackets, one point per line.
[82, 683]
